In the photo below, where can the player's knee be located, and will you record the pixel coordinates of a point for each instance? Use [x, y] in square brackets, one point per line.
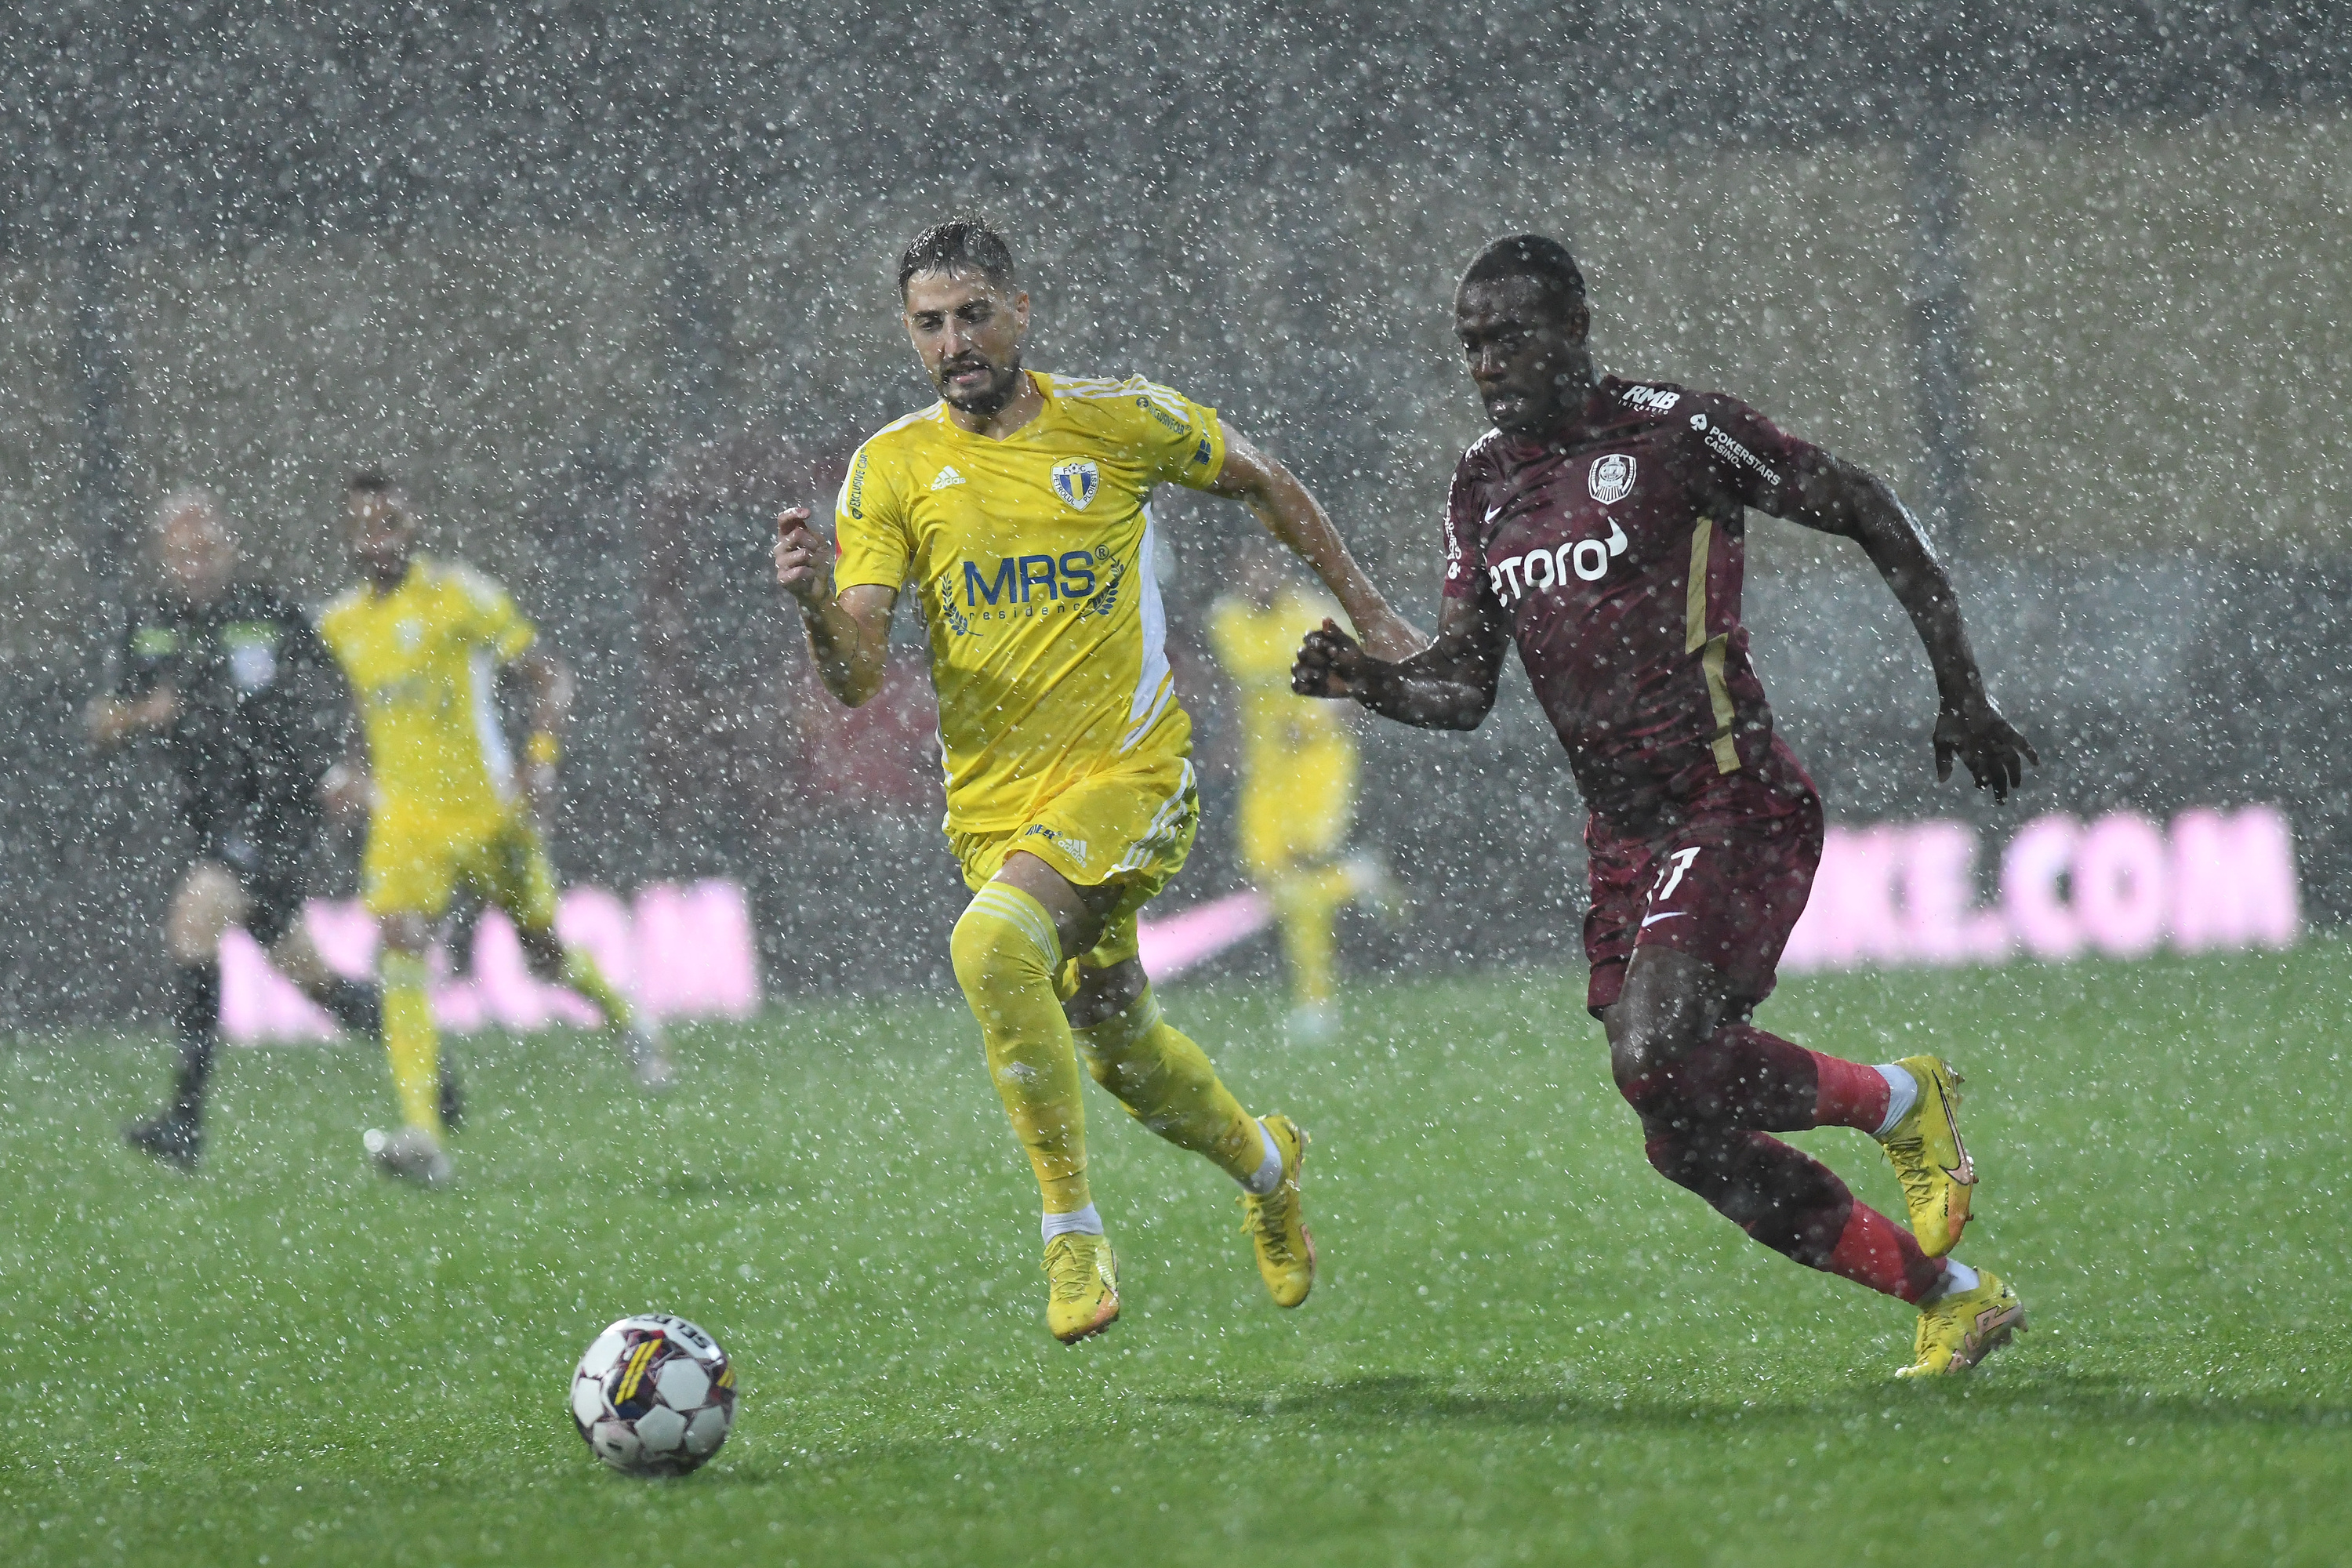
[403, 934]
[1641, 1061]
[208, 902]
[295, 956]
[999, 943]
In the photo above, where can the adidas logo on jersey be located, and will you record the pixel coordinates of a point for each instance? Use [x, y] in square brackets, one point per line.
[946, 476]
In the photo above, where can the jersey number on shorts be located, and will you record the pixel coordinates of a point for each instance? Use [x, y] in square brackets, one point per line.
[1670, 875]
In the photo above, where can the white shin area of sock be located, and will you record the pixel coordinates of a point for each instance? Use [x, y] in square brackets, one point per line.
[1268, 1175]
[1902, 1094]
[1957, 1278]
[1077, 1221]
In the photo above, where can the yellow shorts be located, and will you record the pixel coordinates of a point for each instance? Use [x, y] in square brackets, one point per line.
[416, 862]
[1131, 826]
[1296, 813]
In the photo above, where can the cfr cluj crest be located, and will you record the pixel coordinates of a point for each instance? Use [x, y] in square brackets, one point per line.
[1612, 479]
[1076, 479]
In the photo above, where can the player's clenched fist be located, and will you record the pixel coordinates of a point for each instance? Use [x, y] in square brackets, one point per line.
[1329, 664]
[801, 567]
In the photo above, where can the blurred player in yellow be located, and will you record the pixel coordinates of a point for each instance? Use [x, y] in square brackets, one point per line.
[1298, 783]
[422, 643]
[1014, 513]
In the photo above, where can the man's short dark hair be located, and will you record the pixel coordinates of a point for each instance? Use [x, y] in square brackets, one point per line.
[1534, 256]
[374, 482]
[959, 245]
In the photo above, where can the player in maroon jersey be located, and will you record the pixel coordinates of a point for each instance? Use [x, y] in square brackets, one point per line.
[1599, 526]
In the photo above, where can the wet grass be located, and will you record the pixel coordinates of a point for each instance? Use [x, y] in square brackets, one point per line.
[1524, 1346]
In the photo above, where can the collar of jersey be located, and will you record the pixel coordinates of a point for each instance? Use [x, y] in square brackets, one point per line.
[377, 595]
[1588, 427]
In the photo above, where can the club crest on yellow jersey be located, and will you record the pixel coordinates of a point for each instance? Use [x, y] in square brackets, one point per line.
[1075, 480]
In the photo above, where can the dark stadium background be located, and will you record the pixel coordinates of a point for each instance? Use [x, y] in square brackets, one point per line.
[606, 284]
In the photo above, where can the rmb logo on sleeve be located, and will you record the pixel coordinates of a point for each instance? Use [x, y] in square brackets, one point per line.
[1075, 480]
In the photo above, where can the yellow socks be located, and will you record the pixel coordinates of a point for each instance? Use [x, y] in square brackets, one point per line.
[581, 973]
[1166, 1084]
[1007, 959]
[410, 1040]
[1307, 903]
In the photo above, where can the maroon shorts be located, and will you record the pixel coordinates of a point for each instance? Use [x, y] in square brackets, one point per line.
[1724, 882]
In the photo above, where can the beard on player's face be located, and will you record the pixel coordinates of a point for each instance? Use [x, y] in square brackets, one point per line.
[972, 383]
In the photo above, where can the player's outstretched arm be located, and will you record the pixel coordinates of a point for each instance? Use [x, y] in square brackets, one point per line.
[848, 633]
[112, 721]
[1449, 685]
[1292, 515]
[1838, 498]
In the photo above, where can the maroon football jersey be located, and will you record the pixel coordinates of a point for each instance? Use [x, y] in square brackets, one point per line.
[1615, 550]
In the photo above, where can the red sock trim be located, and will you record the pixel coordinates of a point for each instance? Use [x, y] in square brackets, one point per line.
[1873, 1251]
[1847, 1094]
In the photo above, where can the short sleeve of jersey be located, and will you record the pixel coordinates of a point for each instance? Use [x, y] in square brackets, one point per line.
[1183, 442]
[871, 539]
[491, 616]
[1465, 554]
[1763, 464]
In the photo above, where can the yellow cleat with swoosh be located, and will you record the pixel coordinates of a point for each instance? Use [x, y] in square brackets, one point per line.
[1957, 1331]
[1082, 1283]
[1933, 1164]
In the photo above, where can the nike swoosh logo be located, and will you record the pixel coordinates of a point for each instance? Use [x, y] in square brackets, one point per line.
[1670, 915]
[1492, 513]
[1965, 1171]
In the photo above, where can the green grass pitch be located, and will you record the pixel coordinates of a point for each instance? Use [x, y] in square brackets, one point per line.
[1524, 1346]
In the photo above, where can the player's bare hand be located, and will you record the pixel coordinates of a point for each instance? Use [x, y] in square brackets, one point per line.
[802, 569]
[110, 720]
[1330, 663]
[1972, 732]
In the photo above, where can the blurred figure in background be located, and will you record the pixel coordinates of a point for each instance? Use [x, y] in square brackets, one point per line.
[231, 676]
[422, 643]
[1298, 783]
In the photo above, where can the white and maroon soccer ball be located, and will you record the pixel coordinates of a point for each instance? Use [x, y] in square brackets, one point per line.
[654, 1396]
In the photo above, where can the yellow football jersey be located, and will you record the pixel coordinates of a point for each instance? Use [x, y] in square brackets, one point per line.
[422, 663]
[1031, 559]
[1258, 647]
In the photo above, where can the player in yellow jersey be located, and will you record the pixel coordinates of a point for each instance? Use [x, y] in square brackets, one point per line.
[421, 643]
[1298, 783]
[1014, 513]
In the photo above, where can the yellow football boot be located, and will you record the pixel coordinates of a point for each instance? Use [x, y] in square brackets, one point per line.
[1957, 1331]
[1276, 1224]
[1928, 1157]
[1082, 1283]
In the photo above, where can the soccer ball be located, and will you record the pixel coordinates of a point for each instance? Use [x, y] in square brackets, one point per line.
[654, 1396]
